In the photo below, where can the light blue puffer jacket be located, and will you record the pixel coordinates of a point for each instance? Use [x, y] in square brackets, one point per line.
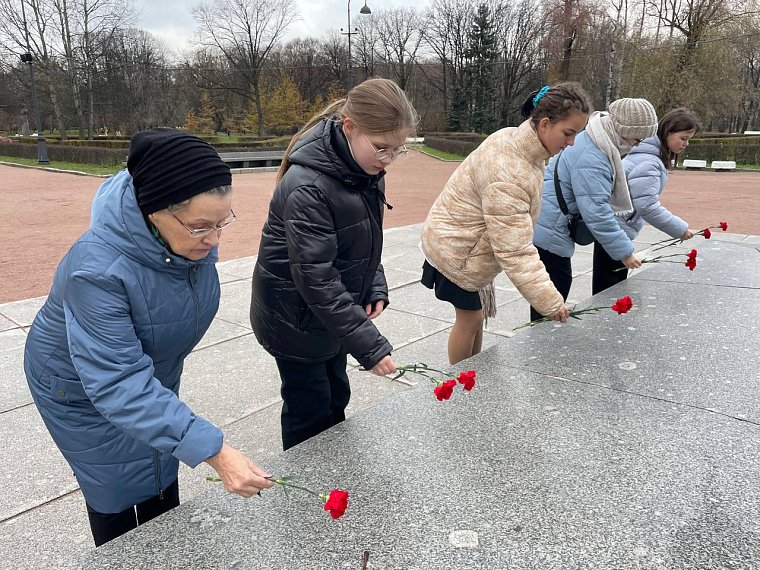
[105, 353]
[585, 176]
[647, 177]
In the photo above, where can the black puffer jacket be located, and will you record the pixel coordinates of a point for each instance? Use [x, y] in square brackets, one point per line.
[319, 258]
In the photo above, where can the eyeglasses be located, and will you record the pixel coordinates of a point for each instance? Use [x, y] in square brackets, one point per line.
[387, 153]
[203, 232]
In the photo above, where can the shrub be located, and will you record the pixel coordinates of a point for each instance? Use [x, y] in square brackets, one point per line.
[456, 143]
[742, 150]
[68, 153]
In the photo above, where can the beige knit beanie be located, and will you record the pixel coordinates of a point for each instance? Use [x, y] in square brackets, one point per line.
[634, 118]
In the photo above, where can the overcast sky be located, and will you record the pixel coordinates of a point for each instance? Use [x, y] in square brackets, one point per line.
[172, 20]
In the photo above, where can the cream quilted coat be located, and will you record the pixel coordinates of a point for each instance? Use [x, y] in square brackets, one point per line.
[482, 222]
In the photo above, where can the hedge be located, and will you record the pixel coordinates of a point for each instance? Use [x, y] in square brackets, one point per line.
[742, 150]
[68, 153]
[455, 143]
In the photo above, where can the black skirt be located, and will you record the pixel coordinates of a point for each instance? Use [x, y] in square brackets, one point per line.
[446, 290]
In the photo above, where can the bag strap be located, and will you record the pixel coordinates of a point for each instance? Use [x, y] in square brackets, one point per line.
[557, 188]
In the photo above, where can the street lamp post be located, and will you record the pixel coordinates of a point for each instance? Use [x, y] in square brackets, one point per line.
[364, 10]
[42, 156]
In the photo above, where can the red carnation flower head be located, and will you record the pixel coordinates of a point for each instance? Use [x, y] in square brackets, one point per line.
[692, 254]
[622, 305]
[467, 380]
[723, 226]
[337, 503]
[444, 390]
[707, 233]
[691, 263]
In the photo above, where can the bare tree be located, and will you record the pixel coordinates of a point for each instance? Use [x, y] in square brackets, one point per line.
[400, 35]
[446, 32]
[245, 32]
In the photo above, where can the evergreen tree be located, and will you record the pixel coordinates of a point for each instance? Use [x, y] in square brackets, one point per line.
[482, 53]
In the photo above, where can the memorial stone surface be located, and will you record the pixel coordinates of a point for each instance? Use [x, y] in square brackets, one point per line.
[617, 441]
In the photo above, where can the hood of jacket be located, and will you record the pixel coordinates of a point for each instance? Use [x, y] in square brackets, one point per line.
[651, 145]
[117, 220]
[325, 148]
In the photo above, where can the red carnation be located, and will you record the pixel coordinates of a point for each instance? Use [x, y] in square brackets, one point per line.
[622, 305]
[723, 226]
[467, 380]
[691, 263]
[444, 390]
[707, 233]
[337, 503]
[692, 254]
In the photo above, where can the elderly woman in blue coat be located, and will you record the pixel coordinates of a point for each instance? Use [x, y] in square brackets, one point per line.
[593, 186]
[646, 170]
[129, 301]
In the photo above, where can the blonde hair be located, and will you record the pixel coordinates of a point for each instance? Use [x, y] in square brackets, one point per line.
[376, 106]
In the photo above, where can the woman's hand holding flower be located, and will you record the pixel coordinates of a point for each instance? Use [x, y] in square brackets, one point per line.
[238, 473]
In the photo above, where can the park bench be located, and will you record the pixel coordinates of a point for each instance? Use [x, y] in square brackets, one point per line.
[723, 165]
[695, 164]
[261, 159]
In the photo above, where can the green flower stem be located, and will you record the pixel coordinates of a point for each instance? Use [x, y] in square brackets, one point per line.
[421, 369]
[572, 315]
[657, 259]
[284, 481]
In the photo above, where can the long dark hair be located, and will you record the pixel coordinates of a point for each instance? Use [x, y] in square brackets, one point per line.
[675, 121]
[557, 103]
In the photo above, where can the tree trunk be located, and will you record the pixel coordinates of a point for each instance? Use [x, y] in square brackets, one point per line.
[567, 42]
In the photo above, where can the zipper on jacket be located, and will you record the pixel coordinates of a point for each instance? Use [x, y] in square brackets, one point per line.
[157, 466]
[192, 279]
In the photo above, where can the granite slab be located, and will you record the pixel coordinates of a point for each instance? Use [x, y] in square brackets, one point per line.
[7, 324]
[22, 312]
[34, 471]
[718, 263]
[527, 471]
[235, 303]
[14, 392]
[220, 331]
[228, 381]
[684, 342]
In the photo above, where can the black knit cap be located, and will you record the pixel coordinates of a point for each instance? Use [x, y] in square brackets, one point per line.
[169, 166]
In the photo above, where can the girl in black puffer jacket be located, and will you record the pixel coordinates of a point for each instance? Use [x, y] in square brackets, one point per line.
[318, 281]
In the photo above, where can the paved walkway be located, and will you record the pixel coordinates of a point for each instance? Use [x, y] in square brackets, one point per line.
[231, 381]
[43, 213]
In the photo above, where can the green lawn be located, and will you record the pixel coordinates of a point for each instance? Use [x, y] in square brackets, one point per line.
[79, 167]
[438, 153]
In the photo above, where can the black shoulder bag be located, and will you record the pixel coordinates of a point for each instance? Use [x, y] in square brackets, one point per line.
[579, 231]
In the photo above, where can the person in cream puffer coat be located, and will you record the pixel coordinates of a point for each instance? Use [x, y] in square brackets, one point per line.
[482, 222]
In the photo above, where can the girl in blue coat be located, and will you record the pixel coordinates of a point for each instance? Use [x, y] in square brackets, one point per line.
[129, 301]
[593, 185]
[646, 169]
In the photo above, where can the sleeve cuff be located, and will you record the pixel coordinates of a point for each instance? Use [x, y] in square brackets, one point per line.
[201, 441]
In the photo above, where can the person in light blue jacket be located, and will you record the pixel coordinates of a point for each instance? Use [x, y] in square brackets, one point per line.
[129, 301]
[646, 169]
[593, 186]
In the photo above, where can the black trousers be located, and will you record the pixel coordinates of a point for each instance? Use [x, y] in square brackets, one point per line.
[560, 271]
[314, 397]
[604, 275]
[107, 526]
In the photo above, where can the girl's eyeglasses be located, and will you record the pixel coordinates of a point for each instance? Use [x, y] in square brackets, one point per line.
[387, 153]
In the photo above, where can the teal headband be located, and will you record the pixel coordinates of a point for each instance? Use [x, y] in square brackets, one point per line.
[544, 90]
